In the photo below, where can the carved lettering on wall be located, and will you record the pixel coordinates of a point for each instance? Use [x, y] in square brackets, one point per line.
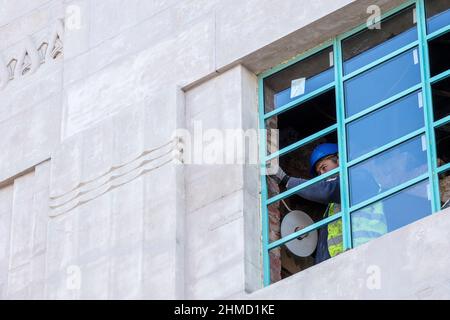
[55, 44]
[42, 51]
[28, 61]
[31, 56]
[11, 67]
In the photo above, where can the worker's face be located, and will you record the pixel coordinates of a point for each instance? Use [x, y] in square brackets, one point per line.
[327, 164]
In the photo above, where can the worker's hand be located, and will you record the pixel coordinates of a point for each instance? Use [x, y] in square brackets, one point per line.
[280, 177]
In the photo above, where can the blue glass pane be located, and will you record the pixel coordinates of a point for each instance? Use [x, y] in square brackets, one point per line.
[299, 79]
[380, 50]
[371, 44]
[311, 84]
[439, 21]
[398, 210]
[382, 82]
[385, 125]
[388, 169]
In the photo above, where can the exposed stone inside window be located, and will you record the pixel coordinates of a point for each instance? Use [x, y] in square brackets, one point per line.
[295, 124]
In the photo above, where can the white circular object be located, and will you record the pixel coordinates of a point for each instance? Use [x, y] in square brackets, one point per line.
[294, 221]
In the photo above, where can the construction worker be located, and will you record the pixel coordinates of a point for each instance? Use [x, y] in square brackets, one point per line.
[367, 223]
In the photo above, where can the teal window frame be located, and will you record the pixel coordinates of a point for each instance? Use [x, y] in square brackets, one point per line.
[338, 84]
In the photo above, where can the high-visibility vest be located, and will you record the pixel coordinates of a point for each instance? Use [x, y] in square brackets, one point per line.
[368, 223]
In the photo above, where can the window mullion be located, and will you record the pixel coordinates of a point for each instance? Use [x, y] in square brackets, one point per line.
[426, 89]
[264, 192]
[342, 143]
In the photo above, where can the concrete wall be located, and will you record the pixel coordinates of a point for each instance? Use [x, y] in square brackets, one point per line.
[222, 221]
[409, 263]
[94, 202]
[23, 231]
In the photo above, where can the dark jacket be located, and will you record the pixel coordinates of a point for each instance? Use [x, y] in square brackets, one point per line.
[325, 192]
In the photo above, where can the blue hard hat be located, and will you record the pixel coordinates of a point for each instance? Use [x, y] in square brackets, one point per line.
[321, 151]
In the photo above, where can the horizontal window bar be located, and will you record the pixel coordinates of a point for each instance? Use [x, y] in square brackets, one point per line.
[300, 100]
[440, 76]
[294, 60]
[386, 147]
[383, 103]
[443, 168]
[308, 183]
[438, 33]
[389, 192]
[442, 121]
[381, 60]
[302, 142]
[306, 230]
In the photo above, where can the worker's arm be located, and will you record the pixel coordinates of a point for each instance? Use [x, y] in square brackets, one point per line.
[325, 191]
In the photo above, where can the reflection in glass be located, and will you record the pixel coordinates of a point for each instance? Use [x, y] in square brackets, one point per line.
[394, 212]
[386, 125]
[382, 82]
[438, 14]
[370, 45]
[299, 79]
[388, 169]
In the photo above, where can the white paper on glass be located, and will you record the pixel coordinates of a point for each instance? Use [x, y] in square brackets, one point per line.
[297, 87]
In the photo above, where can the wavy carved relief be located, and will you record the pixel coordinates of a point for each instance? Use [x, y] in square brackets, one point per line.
[30, 57]
[86, 191]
